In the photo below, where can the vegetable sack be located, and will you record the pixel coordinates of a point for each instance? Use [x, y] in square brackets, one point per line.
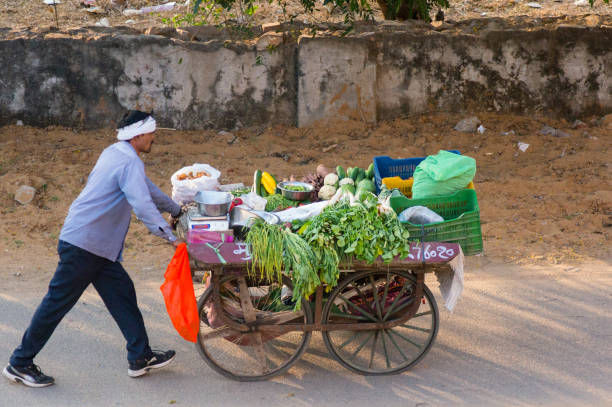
[183, 191]
[442, 174]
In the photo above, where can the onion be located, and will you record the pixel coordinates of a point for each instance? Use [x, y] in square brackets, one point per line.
[323, 170]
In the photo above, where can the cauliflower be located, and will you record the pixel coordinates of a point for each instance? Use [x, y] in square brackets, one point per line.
[331, 179]
[345, 181]
[327, 191]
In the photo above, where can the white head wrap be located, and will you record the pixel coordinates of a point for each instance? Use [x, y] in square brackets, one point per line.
[141, 127]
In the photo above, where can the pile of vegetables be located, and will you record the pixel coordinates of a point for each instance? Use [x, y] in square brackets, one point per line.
[326, 183]
[355, 180]
[316, 180]
[276, 248]
[264, 183]
[355, 226]
[350, 229]
[359, 230]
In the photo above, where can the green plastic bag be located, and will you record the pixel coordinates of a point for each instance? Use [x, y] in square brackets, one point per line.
[442, 174]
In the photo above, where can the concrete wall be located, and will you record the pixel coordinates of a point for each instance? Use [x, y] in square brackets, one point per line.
[88, 79]
[89, 82]
[565, 72]
[336, 78]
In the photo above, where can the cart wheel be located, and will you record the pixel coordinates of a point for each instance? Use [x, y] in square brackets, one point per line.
[260, 353]
[376, 296]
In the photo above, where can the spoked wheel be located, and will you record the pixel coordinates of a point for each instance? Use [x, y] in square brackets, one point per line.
[374, 297]
[233, 338]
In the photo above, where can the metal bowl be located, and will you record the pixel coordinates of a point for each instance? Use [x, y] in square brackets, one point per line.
[295, 195]
[213, 203]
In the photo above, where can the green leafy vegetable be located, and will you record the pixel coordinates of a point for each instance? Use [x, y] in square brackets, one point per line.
[344, 231]
[275, 248]
[358, 231]
[241, 191]
[266, 250]
[294, 188]
[278, 202]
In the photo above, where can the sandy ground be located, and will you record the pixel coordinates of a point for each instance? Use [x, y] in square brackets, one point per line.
[26, 13]
[551, 204]
[519, 336]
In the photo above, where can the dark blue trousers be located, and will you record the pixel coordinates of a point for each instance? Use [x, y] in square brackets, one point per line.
[77, 268]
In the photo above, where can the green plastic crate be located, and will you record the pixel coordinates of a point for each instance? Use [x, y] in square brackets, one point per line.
[461, 220]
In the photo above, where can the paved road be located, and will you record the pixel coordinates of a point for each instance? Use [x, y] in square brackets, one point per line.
[518, 337]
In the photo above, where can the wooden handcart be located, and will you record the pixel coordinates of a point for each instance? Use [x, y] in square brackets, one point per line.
[380, 319]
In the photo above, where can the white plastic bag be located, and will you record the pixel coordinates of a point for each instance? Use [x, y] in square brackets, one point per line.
[302, 212]
[254, 201]
[419, 215]
[159, 8]
[183, 191]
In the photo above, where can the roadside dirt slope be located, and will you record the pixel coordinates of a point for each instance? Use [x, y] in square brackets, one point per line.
[549, 204]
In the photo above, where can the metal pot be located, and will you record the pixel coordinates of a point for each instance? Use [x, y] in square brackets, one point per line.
[240, 218]
[213, 203]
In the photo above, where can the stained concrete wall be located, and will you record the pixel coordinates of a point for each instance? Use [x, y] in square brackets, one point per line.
[89, 82]
[566, 71]
[380, 72]
[336, 79]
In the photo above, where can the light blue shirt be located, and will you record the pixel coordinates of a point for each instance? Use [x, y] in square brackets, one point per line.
[98, 220]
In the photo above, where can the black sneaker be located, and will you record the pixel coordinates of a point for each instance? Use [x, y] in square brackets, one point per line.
[30, 376]
[157, 360]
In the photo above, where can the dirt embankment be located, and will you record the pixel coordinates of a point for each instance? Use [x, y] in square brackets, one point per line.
[21, 14]
[549, 204]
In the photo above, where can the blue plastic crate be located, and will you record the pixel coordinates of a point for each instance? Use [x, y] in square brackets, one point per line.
[385, 166]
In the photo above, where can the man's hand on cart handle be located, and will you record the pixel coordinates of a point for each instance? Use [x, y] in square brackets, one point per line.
[177, 242]
[175, 219]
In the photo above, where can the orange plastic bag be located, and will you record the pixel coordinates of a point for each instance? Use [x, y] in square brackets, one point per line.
[179, 295]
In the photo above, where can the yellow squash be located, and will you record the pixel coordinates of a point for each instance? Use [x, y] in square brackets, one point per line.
[268, 182]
